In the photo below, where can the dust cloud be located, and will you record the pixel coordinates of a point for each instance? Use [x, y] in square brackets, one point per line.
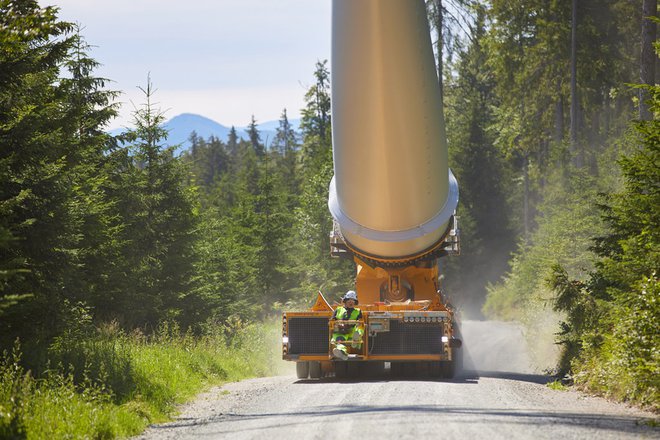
[496, 346]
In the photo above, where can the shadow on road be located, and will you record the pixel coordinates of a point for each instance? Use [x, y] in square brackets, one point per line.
[229, 423]
[540, 379]
[465, 377]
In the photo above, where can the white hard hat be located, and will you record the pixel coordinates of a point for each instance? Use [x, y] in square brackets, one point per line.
[350, 295]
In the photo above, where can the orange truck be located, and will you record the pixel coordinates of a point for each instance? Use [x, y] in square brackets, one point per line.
[393, 200]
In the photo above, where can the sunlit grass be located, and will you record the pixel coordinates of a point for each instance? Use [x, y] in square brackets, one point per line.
[121, 383]
[557, 386]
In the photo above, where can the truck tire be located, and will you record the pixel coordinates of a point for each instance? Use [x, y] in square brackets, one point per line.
[448, 369]
[315, 370]
[302, 370]
[458, 362]
[375, 368]
[411, 369]
[353, 369]
[341, 370]
[396, 369]
[435, 369]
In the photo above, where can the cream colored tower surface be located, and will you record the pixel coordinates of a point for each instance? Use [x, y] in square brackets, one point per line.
[393, 193]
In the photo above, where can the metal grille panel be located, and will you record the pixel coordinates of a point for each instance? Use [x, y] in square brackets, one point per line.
[408, 338]
[308, 335]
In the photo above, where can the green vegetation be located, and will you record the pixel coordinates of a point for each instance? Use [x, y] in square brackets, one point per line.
[582, 177]
[557, 386]
[116, 384]
[97, 230]
[610, 334]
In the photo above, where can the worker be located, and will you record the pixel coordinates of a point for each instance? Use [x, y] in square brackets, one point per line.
[344, 332]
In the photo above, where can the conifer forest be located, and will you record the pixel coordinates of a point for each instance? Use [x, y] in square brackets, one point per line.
[553, 124]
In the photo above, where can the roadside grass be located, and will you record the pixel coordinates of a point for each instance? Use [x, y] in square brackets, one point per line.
[557, 386]
[652, 423]
[109, 384]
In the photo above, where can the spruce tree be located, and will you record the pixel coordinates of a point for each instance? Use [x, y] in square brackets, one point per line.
[232, 142]
[285, 140]
[255, 138]
[223, 282]
[317, 270]
[88, 110]
[286, 145]
[38, 231]
[156, 221]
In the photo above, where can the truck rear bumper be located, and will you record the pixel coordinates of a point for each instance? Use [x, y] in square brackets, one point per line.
[389, 337]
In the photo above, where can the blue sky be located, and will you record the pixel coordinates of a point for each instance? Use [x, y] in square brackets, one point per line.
[224, 59]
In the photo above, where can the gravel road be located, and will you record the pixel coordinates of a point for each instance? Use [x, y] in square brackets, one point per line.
[490, 401]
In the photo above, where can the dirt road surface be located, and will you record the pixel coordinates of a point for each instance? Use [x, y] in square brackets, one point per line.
[499, 396]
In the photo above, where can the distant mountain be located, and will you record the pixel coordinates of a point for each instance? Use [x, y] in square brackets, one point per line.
[180, 127]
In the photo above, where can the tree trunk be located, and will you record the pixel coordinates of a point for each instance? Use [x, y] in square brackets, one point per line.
[526, 225]
[542, 158]
[559, 115]
[648, 57]
[437, 4]
[574, 101]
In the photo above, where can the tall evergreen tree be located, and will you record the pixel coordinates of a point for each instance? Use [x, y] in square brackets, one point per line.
[315, 122]
[273, 227]
[648, 58]
[224, 194]
[156, 223]
[314, 220]
[447, 25]
[286, 144]
[232, 142]
[39, 232]
[224, 277]
[317, 162]
[88, 110]
[255, 138]
[285, 140]
[208, 162]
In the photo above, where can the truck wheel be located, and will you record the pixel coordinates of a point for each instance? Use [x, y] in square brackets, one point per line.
[458, 361]
[315, 370]
[341, 370]
[353, 369]
[448, 369]
[396, 369]
[411, 369]
[375, 368]
[435, 369]
[302, 370]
